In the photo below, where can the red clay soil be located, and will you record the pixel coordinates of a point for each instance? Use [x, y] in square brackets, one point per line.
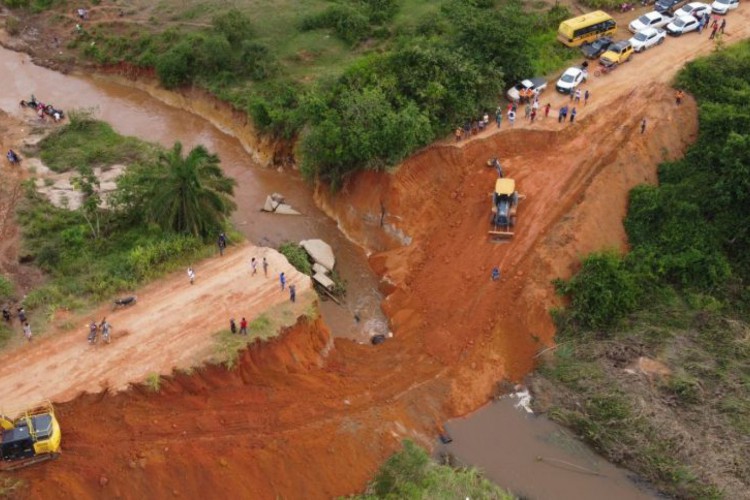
[299, 419]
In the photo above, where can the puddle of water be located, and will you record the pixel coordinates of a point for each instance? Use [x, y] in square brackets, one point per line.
[536, 458]
[134, 112]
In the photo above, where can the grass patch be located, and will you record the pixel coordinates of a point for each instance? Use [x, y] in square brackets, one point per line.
[153, 382]
[227, 346]
[411, 473]
[6, 288]
[91, 143]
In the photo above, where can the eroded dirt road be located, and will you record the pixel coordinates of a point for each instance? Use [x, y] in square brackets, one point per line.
[171, 326]
[298, 420]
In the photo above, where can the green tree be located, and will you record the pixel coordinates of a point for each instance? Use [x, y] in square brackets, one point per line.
[189, 194]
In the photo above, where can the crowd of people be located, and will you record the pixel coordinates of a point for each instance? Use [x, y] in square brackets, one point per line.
[22, 318]
[43, 109]
[532, 110]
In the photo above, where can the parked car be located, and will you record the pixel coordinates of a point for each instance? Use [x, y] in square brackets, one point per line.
[650, 20]
[667, 5]
[695, 9]
[617, 53]
[724, 6]
[571, 79]
[535, 85]
[594, 49]
[682, 25]
[647, 38]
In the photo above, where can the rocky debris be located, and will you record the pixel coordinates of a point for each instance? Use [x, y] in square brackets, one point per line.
[59, 188]
[320, 252]
[275, 204]
[103, 480]
[318, 268]
[324, 280]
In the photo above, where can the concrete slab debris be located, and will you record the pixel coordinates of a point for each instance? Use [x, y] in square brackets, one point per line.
[320, 252]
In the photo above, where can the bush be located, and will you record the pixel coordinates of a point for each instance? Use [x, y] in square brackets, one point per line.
[297, 256]
[348, 23]
[6, 288]
[602, 292]
[175, 67]
[411, 474]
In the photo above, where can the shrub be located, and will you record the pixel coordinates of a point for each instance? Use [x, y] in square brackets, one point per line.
[12, 25]
[348, 23]
[297, 256]
[411, 474]
[175, 67]
[602, 292]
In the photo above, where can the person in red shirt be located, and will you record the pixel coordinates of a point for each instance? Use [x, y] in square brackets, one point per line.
[243, 327]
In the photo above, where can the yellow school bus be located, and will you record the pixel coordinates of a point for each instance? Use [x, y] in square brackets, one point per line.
[586, 28]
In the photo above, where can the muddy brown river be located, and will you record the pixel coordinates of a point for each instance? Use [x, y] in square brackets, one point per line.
[134, 112]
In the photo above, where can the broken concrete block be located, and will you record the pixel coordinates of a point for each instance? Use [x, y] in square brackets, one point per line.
[320, 252]
[324, 280]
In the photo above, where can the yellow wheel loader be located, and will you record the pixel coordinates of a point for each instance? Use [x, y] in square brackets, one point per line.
[504, 205]
[31, 437]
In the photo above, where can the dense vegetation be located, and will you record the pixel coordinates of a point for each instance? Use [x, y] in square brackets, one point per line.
[405, 71]
[100, 249]
[411, 474]
[681, 296]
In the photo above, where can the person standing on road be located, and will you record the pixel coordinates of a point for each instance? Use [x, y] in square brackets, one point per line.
[723, 25]
[106, 329]
[546, 110]
[586, 96]
[222, 243]
[499, 116]
[282, 280]
[254, 266]
[265, 267]
[678, 97]
[527, 111]
[243, 326]
[512, 117]
[533, 115]
[457, 134]
[27, 331]
[293, 293]
[191, 275]
[577, 97]
[643, 126]
[573, 113]
[232, 326]
[713, 32]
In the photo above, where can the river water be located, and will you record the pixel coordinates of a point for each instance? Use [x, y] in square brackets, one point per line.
[534, 457]
[134, 112]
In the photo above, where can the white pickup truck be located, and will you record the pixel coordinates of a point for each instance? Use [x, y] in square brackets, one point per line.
[536, 85]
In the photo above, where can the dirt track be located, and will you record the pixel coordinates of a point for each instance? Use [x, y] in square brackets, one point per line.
[171, 326]
[292, 422]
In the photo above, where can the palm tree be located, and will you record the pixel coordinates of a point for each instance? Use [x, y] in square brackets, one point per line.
[191, 194]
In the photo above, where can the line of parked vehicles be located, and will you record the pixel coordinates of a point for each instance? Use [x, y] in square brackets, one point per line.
[673, 17]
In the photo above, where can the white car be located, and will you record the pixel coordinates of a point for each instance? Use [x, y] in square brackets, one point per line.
[682, 25]
[571, 79]
[695, 9]
[650, 20]
[724, 6]
[647, 38]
